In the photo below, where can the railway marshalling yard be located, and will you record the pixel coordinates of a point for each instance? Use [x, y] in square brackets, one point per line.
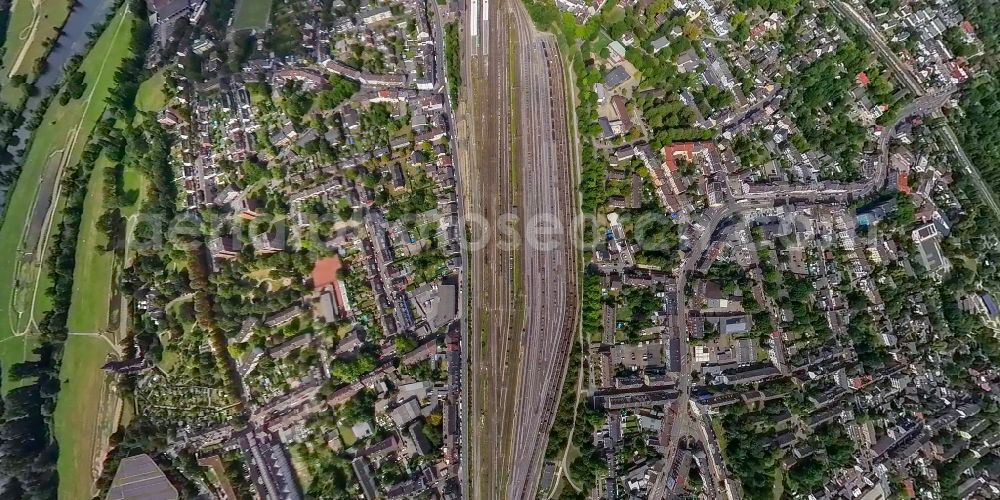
[523, 266]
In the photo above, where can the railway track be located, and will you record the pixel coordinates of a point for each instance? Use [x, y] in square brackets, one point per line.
[551, 321]
[491, 290]
[517, 363]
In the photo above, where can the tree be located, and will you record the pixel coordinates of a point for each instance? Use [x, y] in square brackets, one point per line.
[404, 344]
[75, 86]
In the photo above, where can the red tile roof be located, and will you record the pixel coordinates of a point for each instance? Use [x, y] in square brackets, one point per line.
[903, 182]
[324, 272]
[686, 150]
[670, 153]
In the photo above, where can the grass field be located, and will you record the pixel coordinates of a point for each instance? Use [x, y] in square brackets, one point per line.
[30, 25]
[150, 96]
[89, 308]
[78, 414]
[720, 435]
[62, 133]
[84, 409]
[347, 436]
[251, 14]
[134, 181]
[21, 17]
[14, 350]
[779, 484]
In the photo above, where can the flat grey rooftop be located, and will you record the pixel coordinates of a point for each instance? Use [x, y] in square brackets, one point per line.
[138, 478]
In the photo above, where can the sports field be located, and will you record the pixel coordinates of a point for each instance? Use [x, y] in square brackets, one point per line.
[251, 14]
[31, 23]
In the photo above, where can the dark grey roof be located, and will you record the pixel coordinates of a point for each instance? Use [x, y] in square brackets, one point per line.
[138, 478]
[168, 9]
[615, 77]
[364, 475]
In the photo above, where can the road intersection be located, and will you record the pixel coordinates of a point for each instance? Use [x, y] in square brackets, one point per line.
[680, 421]
[904, 74]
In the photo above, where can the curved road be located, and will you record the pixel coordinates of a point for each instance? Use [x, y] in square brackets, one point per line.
[903, 72]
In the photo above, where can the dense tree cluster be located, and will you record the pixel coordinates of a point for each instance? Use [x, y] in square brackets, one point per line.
[748, 453]
[295, 101]
[75, 86]
[346, 371]
[592, 178]
[832, 449]
[591, 303]
[820, 101]
[979, 129]
[785, 6]
[417, 199]
[205, 316]
[655, 234]
[239, 296]
[452, 58]
[341, 90]
[986, 19]
[637, 308]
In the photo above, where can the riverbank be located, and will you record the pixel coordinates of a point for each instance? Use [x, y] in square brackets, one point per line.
[87, 407]
[75, 37]
[32, 22]
[33, 206]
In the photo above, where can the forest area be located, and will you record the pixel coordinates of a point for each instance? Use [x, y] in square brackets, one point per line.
[979, 128]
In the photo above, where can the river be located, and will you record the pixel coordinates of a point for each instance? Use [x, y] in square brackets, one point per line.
[72, 40]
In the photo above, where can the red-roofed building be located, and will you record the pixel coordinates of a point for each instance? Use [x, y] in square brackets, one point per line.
[861, 382]
[324, 272]
[903, 182]
[311, 80]
[863, 79]
[324, 278]
[957, 72]
[684, 151]
[710, 160]
[967, 27]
